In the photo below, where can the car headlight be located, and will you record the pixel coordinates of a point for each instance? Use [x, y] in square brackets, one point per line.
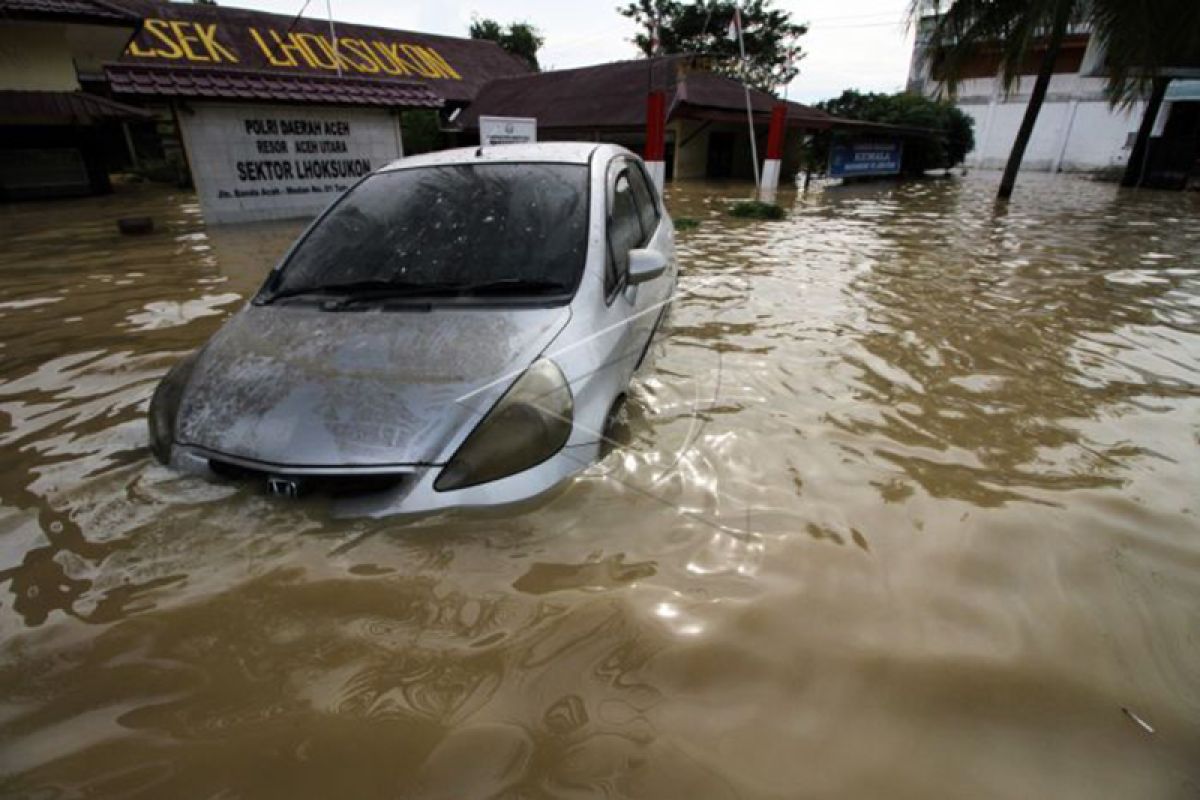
[530, 423]
[164, 407]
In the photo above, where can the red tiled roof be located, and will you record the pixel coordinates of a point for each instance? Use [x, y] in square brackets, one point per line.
[93, 11]
[76, 107]
[278, 44]
[614, 96]
[147, 80]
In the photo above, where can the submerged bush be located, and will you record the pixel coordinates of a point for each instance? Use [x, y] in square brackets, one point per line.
[755, 209]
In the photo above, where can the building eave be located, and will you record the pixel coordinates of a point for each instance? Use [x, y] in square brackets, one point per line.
[155, 82]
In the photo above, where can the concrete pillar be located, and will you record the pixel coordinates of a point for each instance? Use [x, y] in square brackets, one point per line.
[656, 129]
[771, 167]
[1065, 139]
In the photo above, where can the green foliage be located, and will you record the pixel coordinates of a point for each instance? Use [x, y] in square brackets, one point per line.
[421, 131]
[771, 38]
[1143, 39]
[519, 38]
[686, 224]
[956, 33]
[755, 209]
[914, 110]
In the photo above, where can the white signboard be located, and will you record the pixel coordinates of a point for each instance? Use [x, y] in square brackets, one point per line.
[254, 162]
[507, 130]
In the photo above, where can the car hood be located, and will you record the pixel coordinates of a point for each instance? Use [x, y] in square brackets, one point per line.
[298, 386]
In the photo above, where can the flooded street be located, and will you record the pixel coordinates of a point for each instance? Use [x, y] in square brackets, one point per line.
[908, 508]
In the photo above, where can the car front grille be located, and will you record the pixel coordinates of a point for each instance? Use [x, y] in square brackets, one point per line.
[291, 485]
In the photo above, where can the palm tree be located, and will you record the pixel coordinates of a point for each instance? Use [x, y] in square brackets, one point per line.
[1142, 40]
[1143, 44]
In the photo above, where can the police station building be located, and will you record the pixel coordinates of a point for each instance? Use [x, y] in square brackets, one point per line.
[272, 115]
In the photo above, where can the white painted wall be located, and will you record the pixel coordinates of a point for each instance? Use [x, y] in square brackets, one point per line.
[1076, 130]
[36, 57]
[92, 46]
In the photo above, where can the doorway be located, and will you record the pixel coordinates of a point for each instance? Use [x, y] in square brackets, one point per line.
[720, 154]
[1173, 160]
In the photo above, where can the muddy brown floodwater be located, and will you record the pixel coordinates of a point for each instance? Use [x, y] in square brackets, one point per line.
[907, 509]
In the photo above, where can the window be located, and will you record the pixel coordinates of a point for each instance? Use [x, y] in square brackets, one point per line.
[457, 225]
[624, 229]
[644, 195]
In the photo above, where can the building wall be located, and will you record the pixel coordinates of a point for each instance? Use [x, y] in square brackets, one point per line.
[693, 138]
[36, 57]
[92, 46]
[691, 149]
[39, 161]
[1076, 129]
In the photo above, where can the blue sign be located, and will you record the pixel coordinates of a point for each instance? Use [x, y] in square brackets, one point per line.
[849, 159]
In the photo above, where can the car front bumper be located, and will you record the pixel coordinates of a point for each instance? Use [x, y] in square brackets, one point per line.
[378, 491]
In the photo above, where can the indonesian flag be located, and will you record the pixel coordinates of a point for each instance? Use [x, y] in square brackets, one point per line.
[734, 31]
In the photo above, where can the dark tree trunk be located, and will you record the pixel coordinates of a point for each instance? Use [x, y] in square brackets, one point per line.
[1135, 170]
[1061, 16]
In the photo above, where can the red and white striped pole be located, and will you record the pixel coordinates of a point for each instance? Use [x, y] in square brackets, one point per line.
[775, 136]
[656, 136]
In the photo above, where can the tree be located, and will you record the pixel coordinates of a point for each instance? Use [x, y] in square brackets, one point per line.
[1014, 26]
[519, 38]
[1141, 40]
[913, 110]
[422, 131]
[1142, 43]
[771, 38]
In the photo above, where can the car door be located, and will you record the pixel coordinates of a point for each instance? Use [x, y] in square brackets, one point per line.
[624, 233]
[649, 298]
[653, 295]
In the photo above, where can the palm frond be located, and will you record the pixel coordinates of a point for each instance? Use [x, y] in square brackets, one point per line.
[1008, 28]
[1141, 39]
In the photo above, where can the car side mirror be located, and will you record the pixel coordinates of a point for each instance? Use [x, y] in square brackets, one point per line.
[645, 265]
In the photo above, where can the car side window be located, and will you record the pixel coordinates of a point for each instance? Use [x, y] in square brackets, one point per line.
[644, 195]
[624, 229]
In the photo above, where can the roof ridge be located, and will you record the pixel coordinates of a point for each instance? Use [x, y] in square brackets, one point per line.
[217, 9]
[116, 9]
[646, 61]
[86, 9]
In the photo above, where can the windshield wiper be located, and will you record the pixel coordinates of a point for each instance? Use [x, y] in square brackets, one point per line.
[500, 286]
[375, 291]
[511, 285]
[366, 290]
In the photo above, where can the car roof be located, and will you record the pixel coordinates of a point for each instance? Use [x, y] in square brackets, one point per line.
[554, 152]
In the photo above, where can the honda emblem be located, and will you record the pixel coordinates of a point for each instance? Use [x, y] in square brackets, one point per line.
[283, 487]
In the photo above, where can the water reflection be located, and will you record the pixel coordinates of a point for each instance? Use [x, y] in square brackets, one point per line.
[905, 507]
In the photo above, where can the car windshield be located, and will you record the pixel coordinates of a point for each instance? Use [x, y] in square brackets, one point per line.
[473, 229]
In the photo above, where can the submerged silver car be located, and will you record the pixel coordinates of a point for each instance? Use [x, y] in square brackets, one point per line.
[457, 329]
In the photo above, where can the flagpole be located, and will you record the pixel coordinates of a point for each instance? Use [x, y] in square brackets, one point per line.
[737, 17]
[655, 149]
[337, 61]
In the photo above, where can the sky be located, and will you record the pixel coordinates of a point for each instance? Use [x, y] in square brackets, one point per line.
[851, 44]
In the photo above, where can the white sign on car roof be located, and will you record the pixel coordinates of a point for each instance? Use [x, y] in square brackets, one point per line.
[507, 130]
